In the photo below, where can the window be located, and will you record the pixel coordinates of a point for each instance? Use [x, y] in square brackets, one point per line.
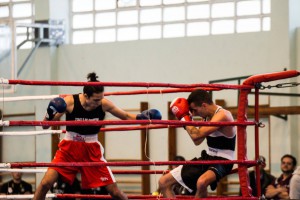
[248, 25]
[248, 8]
[222, 27]
[105, 19]
[128, 33]
[22, 10]
[220, 10]
[151, 15]
[127, 17]
[4, 11]
[104, 4]
[198, 11]
[150, 32]
[19, 11]
[198, 28]
[83, 37]
[106, 35]
[174, 14]
[126, 20]
[83, 21]
[173, 30]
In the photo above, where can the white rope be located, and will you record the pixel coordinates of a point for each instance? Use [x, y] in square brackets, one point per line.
[24, 170]
[5, 165]
[4, 123]
[4, 81]
[25, 98]
[24, 196]
[42, 132]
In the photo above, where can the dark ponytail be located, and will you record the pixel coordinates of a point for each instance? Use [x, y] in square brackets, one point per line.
[89, 90]
[92, 77]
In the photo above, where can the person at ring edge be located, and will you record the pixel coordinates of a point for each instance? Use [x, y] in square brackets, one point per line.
[60, 187]
[220, 141]
[16, 186]
[81, 142]
[281, 187]
[265, 178]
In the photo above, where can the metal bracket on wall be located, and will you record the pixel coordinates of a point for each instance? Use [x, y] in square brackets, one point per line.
[284, 117]
[48, 33]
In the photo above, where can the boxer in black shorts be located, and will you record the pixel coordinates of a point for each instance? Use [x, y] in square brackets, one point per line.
[220, 142]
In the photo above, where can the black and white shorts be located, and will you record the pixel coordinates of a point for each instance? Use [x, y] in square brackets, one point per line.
[187, 175]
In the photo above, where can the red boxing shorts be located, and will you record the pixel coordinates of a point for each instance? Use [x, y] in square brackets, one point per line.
[82, 148]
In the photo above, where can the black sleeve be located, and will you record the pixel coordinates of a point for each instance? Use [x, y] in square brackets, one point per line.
[76, 186]
[3, 188]
[28, 187]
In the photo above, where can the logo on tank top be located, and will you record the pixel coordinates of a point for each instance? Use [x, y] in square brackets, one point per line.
[213, 150]
[85, 119]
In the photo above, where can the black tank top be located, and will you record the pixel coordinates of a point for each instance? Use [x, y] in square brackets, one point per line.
[221, 142]
[80, 114]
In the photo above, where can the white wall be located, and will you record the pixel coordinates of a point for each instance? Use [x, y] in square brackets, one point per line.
[180, 60]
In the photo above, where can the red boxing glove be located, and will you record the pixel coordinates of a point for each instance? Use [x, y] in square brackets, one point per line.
[180, 108]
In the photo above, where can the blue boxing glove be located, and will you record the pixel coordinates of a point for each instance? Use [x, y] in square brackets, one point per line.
[149, 114]
[56, 105]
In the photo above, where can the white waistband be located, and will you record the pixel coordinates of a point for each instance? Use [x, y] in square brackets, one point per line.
[228, 154]
[80, 138]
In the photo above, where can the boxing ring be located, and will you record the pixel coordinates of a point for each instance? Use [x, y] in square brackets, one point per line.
[251, 83]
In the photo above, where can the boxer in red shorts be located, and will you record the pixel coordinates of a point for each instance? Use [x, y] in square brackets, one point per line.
[81, 142]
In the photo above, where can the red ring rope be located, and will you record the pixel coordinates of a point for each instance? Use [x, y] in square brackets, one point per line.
[150, 197]
[140, 171]
[162, 91]
[144, 127]
[130, 163]
[127, 84]
[126, 122]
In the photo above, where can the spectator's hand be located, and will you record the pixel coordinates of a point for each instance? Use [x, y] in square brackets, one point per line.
[281, 189]
[282, 192]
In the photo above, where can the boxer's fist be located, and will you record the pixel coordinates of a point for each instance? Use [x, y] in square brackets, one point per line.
[149, 114]
[180, 108]
[57, 104]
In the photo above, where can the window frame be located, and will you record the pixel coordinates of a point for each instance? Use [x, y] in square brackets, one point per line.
[210, 19]
[16, 20]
